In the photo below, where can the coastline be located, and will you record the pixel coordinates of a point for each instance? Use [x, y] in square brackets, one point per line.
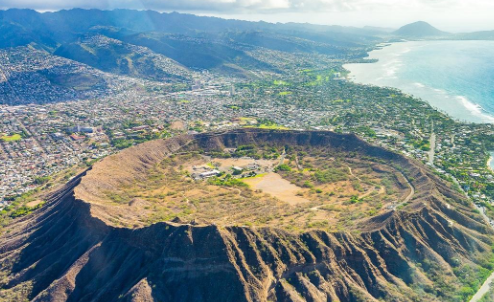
[394, 68]
[489, 161]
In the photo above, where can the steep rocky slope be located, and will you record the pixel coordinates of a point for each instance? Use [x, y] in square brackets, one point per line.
[111, 55]
[71, 251]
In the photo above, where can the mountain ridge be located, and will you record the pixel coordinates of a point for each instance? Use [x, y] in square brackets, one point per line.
[115, 56]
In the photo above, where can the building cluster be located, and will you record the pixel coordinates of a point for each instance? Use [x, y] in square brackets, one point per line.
[56, 136]
[30, 76]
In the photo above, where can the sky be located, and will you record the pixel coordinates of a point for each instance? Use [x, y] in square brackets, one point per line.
[450, 15]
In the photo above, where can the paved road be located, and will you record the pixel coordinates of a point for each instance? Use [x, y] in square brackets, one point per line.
[432, 142]
[483, 289]
[432, 151]
[487, 284]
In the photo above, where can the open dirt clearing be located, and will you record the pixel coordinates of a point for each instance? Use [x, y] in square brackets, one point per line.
[275, 185]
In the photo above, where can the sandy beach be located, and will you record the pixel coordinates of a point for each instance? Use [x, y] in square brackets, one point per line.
[489, 162]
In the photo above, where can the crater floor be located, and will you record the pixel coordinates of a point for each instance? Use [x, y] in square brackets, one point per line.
[247, 182]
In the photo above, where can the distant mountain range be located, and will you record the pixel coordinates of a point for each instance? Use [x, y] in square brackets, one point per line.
[68, 25]
[163, 46]
[169, 47]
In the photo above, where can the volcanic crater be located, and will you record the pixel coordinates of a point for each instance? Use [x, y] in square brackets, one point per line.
[248, 215]
[288, 180]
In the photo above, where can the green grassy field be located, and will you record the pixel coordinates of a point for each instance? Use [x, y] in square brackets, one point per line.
[268, 126]
[11, 138]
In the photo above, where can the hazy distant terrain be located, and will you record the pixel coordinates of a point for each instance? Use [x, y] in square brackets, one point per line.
[170, 47]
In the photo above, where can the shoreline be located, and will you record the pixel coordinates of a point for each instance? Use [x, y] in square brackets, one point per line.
[383, 73]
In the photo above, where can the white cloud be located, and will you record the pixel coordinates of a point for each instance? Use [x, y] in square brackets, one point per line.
[448, 14]
[249, 5]
[220, 5]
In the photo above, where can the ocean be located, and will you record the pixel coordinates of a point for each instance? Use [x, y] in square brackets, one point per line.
[456, 77]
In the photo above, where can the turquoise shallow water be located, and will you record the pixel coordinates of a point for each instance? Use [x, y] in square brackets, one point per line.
[491, 163]
[456, 77]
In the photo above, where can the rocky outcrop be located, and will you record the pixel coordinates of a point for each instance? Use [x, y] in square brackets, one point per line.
[68, 251]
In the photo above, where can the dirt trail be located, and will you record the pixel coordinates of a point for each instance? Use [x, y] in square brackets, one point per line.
[367, 193]
[381, 190]
[409, 196]
[351, 173]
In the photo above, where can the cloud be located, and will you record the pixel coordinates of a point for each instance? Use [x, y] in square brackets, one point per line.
[452, 14]
[234, 6]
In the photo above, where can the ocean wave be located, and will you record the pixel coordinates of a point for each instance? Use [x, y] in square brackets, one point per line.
[475, 109]
[435, 90]
[393, 63]
[456, 99]
[391, 71]
[392, 67]
[472, 107]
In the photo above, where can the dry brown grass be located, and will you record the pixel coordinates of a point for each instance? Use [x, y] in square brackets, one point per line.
[164, 191]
